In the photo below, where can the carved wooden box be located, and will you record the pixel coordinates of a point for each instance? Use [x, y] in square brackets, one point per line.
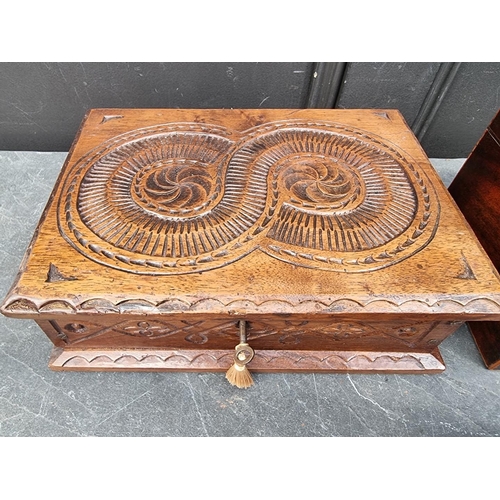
[326, 232]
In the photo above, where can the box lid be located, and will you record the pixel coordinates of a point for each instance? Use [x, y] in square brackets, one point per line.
[237, 212]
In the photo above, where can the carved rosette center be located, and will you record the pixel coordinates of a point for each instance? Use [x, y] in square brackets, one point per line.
[174, 186]
[322, 183]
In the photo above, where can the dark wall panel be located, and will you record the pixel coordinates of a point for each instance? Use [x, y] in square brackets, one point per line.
[448, 105]
[392, 85]
[42, 104]
[469, 105]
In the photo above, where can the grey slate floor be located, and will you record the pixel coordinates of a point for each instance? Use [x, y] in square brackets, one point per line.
[34, 401]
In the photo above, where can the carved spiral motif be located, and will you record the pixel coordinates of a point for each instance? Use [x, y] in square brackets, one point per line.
[168, 185]
[321, 180]
[184, 197]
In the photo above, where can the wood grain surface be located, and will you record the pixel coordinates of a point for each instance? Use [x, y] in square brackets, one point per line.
[326, 230]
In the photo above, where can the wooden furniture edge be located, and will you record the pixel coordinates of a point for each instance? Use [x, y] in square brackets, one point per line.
[265, 361]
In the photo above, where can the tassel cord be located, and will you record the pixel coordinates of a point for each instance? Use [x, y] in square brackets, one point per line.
[238, 373]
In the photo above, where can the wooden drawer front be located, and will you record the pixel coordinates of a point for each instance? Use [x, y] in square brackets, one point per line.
[262, 334]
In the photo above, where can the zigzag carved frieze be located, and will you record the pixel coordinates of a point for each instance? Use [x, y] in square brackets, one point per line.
[187, 197]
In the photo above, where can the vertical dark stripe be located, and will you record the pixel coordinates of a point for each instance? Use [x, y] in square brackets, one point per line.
[440, 86]
[326, 82]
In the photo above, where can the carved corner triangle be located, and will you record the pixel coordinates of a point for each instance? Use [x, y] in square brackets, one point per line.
[107, 118]
[467, 273]
[54, 275]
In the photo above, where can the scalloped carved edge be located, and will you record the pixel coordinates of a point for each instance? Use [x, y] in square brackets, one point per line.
[264, 361]
[477, 305]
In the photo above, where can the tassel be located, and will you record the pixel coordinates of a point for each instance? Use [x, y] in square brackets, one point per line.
[238, 373]
[239, 376]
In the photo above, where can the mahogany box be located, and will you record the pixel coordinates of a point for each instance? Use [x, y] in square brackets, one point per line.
[476, 190]
[325, 236]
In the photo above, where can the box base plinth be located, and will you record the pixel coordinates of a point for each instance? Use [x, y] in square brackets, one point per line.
[265, 361]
